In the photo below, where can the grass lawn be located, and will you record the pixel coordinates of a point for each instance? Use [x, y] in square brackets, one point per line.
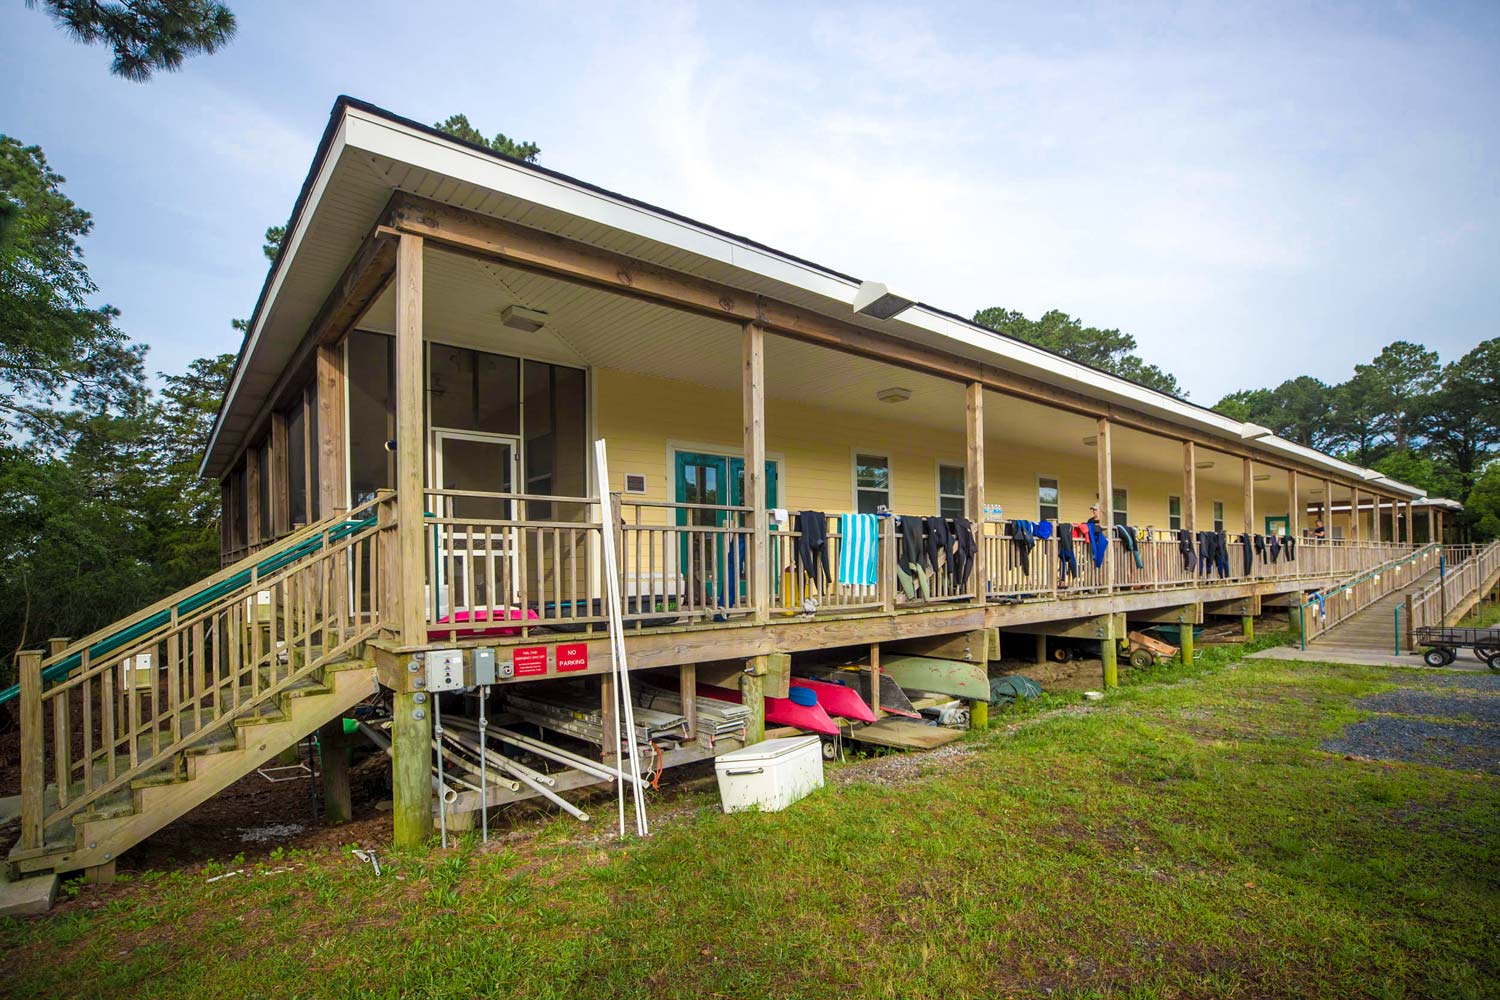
[1186, 837]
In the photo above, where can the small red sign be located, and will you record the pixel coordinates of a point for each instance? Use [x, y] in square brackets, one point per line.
[573, 656]
[530, 661]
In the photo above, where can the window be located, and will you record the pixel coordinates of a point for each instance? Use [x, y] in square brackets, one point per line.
[296, 464]
[372, 414]
[951, 490]
[556, 405]
[263, 499]
[474, 391]
[1047, 499]
[872, 482]
[1121, 508]
[1218, 515]
[1174, 513]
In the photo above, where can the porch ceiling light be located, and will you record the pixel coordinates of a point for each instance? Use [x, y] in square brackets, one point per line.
[523, 319]
[1203, 465]
[1261, 477]
[878, 302]
[1091, 440]
[895, 394]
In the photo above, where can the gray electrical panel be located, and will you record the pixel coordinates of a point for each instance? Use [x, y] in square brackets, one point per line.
[445, 669]
[484, 666]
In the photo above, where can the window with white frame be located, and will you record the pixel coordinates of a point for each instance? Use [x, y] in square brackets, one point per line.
[1121, 508]
[1174, 513]
[951, 490]
[1048, 499]
[1218, 515]
[872, 482]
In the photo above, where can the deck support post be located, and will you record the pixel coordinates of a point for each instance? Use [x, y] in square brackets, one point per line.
[333, 754]
[753, 396]
[411, 732]
[1247, 626]
[1185, 643]
[1041, 649]
[411, 768]
[687, 693]
[1105, 460]
[33, 764]
[974, 485]
[1295, 601]
[1109, 650]
[753, 694]
[875, 678]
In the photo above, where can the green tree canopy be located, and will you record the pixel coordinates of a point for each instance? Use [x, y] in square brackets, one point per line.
[458, 126]
[1107, 350]
[145, 35]
[51, 339]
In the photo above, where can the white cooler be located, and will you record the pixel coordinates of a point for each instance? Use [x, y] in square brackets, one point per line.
[770, 775]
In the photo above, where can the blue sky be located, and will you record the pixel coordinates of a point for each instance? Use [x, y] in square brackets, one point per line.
[1254, 192]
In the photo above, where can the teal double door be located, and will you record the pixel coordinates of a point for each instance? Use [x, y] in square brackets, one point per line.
[715, 480]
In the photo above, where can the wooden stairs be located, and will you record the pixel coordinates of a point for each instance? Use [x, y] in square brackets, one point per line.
[227, 751]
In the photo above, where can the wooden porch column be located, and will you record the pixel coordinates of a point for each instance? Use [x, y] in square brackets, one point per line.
[1293, 505]
[1189, 486]
[252, 496]
[1431, 526]
[1328, 509]
[753, 397]
[1105, 458]
[281, 506]
[974, 482]
[411, 732]
[1354, 513]
[1248, 475]
[333, 479]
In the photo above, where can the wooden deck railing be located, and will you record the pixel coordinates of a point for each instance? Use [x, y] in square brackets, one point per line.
[123, 712]
[1466, 568]
[1363, 585]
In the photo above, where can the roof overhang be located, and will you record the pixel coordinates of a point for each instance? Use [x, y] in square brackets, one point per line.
[367, 154]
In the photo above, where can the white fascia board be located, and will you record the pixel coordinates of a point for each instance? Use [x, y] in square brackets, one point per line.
[292, 245]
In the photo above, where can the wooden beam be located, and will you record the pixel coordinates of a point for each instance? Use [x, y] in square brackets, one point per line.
[533, 250]
[1328, 508]
[1354, 513]
[974, 482]
[753, 401]
[33, 763]
[1104, 459]
[1190, 486]
[410, 431]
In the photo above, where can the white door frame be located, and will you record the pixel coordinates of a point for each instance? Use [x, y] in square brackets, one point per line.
[454, 538]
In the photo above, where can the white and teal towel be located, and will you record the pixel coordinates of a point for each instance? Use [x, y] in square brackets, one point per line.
[859, 553]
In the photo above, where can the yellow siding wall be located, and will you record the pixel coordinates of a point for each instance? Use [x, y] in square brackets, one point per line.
[644, 418]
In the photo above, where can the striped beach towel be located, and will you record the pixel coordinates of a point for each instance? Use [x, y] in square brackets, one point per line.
[859, 549]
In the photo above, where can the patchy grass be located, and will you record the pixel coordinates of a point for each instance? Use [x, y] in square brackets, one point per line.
[1485, 614]
[1183, 838]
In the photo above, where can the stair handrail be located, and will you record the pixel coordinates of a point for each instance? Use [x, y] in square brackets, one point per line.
[1411, 557]
[351, 532]
[224, 584]
[1477, 564]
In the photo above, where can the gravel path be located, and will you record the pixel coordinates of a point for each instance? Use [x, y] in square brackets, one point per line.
[1451, 721]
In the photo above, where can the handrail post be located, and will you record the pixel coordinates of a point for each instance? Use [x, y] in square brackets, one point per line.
[33, 776]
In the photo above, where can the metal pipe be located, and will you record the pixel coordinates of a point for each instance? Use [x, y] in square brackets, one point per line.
[545, 792]
[484, 799]
[381, 740]
[561, 756]
[437, 729]
[460, 743]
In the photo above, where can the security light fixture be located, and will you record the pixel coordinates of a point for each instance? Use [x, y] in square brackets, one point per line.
[895, 394]
[523, 319]
[878, 302]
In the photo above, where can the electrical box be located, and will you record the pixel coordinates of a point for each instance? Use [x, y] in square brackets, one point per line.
[445, 669]
[484, 666]
[506, 670]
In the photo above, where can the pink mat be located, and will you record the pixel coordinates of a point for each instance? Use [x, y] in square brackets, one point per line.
[436, 631]
[782, 711]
